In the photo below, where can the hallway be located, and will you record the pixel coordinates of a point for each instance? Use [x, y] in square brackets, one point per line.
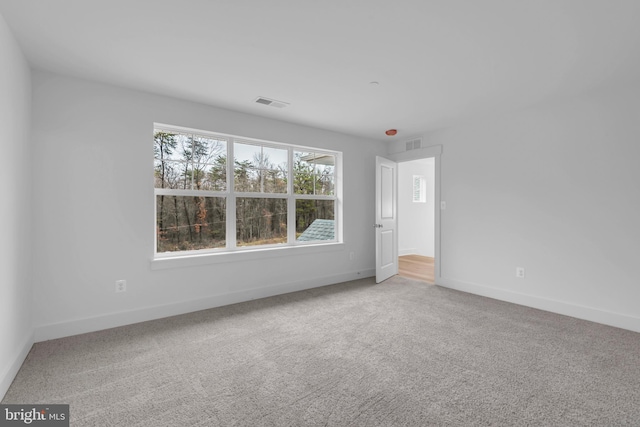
[416, 267]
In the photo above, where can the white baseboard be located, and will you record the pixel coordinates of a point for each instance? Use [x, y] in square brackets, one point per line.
[414, 251]
[581, 312]
[410, 251]
[8, 375]
[92, 324]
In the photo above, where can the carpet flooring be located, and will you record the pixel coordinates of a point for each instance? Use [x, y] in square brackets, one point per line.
[401, 353]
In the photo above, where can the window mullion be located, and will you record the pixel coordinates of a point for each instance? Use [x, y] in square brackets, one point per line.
[291, 201]
[261, 169]
[231, 198]
[155, 222]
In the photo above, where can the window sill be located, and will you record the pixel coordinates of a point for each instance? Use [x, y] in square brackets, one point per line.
[241, 255]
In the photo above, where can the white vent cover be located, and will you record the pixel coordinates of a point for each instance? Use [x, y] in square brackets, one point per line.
[271, 102]
[414, 144]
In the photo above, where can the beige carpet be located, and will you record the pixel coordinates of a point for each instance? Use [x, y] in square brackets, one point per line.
[354, 354]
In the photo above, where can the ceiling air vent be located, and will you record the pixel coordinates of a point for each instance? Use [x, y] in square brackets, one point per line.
[271, 102]
[413, 144]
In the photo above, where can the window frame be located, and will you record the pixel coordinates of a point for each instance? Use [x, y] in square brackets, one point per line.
[421, 189]
[231, 246]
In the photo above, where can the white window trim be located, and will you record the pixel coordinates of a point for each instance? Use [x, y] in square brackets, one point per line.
[193, 260]
[232, 251]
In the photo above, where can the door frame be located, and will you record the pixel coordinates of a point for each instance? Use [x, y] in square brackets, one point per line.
[434, 151]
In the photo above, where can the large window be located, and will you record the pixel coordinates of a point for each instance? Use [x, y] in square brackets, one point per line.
[268, 195]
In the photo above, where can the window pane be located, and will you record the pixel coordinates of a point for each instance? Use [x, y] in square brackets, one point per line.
[208, 164]
[217, 173]
[247, 179]
[274, 181]
[174, 175]
[275, 158]
[324, 184]
[303, 183]
[185, 143]
[206, 149]
[261, 221]
[206, 161]
[303, 173]
[246, 174]
[314, 173]
[303, 159]
[246, 153]
[260, 169]
[193, 162]
[275, 163]
[185, 223]
[315, 220]
[169, 174]
[169, 145]
[327, 160]
[419, 189]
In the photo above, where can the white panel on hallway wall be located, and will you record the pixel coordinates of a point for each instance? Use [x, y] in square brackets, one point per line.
[416, 220]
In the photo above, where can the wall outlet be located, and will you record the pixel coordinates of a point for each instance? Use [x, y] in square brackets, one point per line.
[121, 286]
[520, 272]
[443, 205]
[352, 256]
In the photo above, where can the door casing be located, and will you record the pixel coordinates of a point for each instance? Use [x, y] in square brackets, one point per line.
[434, 151]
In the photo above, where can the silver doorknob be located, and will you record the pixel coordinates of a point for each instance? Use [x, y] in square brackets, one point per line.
[377, 225]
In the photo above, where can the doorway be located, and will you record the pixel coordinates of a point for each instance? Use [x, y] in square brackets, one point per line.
[416, 219]
[386, 197]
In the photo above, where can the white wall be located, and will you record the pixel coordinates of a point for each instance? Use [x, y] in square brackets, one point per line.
[94, 210]
[415, 220]
[554, 189]
[16, 332]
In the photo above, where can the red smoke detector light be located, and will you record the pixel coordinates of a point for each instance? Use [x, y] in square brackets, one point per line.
[391, 132]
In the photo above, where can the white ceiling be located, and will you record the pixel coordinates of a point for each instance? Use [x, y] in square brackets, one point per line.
[437, 61]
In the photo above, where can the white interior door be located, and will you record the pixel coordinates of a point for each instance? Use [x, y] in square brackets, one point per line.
[386, 225]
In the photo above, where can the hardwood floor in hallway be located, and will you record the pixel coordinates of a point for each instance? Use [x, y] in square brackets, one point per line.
[416, 267]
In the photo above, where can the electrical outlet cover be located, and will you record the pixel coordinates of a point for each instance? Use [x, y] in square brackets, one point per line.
[121, 286]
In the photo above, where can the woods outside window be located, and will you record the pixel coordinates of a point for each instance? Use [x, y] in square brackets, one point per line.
[269, 195]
